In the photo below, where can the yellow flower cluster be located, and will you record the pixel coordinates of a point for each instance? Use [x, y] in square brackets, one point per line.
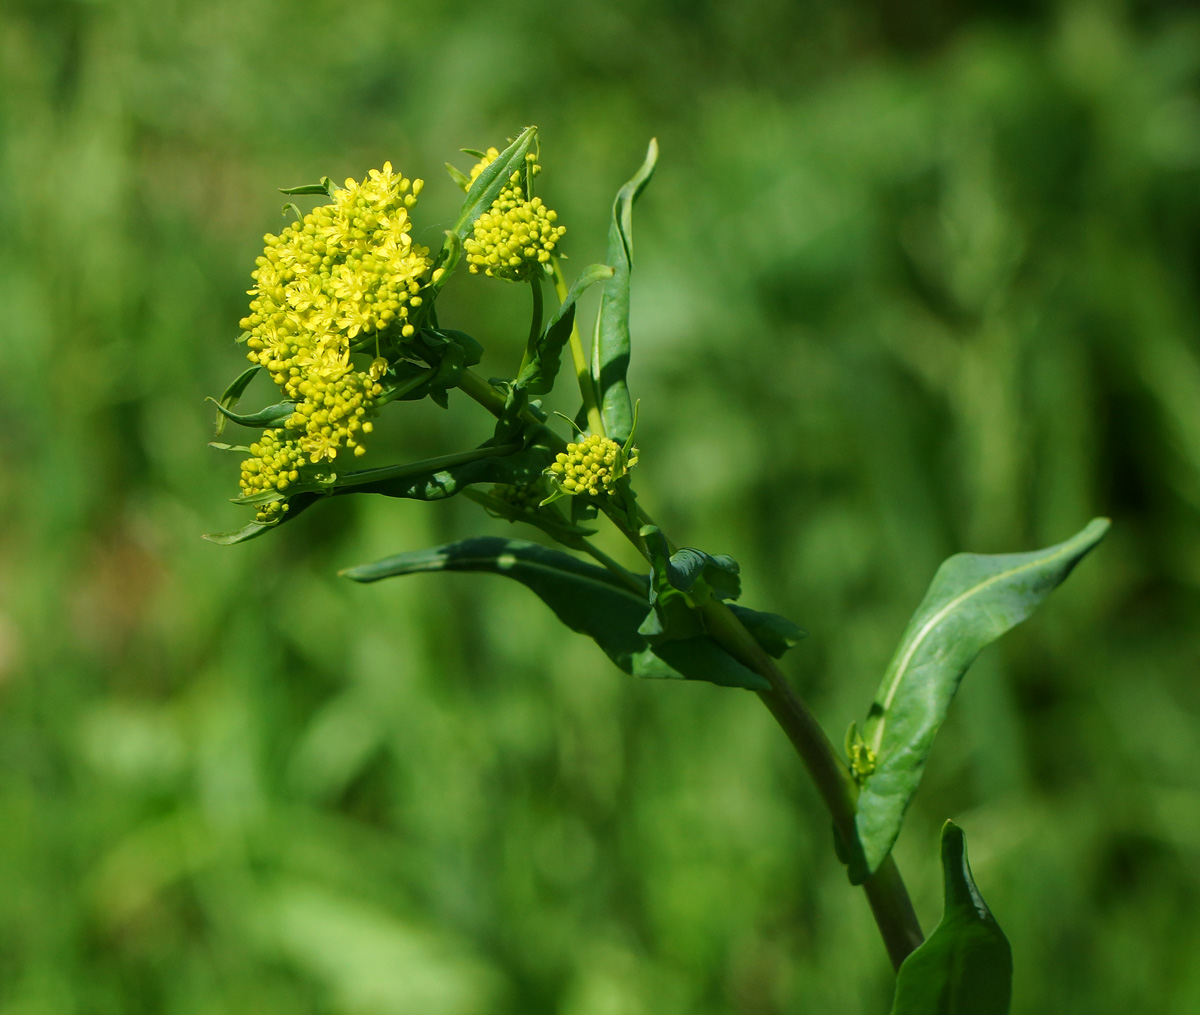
[489, 157]
[274, 467]
[322, 286]
[516, 235]
[592, 466]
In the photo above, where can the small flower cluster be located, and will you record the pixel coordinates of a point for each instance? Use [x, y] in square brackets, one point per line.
[325, 283]
[274, 467]
[592, 466]
[524, 498]
[514, 237]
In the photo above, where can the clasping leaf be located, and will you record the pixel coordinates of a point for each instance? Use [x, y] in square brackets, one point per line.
[973, 599]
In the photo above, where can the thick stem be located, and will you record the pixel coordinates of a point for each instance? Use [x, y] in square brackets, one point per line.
[885, 890]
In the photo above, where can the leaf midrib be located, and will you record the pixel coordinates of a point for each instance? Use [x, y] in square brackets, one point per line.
[927, 628]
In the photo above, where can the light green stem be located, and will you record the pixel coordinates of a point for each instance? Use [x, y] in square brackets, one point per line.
[583, 371]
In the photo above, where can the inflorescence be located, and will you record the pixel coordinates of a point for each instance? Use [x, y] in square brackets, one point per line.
[324, 286]
[592, 466]
[517, 235]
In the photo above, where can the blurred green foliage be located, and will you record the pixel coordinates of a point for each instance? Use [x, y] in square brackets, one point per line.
[911, 278]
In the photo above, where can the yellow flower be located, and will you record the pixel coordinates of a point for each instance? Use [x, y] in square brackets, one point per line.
[513, 238]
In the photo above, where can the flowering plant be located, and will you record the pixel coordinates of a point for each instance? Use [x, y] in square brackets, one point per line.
[344, 319]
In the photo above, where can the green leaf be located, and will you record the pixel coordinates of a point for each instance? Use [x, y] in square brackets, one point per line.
[272, 416]
[973, 599]
[588, 599]
[672, 616]
[774, 633]
[611, 350]
[720, 573]
[230, 396]
[491, 181]
[542, 367]
[965, 968]
[325, 187]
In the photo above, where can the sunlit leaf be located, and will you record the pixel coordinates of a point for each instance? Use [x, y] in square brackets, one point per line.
[973, 599]
[611, 351]
[965, 968]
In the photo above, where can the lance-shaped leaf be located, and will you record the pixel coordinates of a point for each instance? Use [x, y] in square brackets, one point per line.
[543, 355]
[429, 480]
[588, 599]
[326, 188]
[610, 354]
[965, 968]
[774, 633]
[491, 181]
[973, 599]
[543, 362]
[272, 416]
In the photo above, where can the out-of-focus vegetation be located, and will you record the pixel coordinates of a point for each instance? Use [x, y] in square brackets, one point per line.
[911, 278]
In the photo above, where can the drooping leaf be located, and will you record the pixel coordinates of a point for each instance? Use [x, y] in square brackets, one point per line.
[610, 355]
[429, 480]
[973, 599]
[264, 419]
[965, 968]
[588, 599]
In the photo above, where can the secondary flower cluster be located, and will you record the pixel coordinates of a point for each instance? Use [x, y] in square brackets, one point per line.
[591, 467]
[517, 235]
[325, 284]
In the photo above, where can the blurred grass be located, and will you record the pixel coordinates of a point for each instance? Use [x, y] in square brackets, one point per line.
[911, 279]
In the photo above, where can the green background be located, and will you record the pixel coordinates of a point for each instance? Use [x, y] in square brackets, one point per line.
[912, 278]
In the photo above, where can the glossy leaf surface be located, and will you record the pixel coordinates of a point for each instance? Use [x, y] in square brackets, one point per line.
[973, 599]
[588, 599]
[965, 968]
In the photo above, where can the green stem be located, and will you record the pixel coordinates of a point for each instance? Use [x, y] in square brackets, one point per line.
[535, 323]
[885, 890]
[583, 371]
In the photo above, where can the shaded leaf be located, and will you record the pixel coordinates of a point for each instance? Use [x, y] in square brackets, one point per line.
[973, 599]
[610, 354]
[965, 968]
[588, 599]
[774, 633]
[539, 373]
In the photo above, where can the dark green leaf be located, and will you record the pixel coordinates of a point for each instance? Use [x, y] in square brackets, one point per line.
[611, 353]
[973, 599]
[272, 416]
[588, 599]
[325, 188]
[671, 616]
[229, 398]
[541, 368]
[774, 633]
[965, 968]
[688, 565]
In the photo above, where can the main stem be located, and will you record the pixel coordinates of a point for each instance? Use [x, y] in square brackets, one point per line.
[885, 890]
